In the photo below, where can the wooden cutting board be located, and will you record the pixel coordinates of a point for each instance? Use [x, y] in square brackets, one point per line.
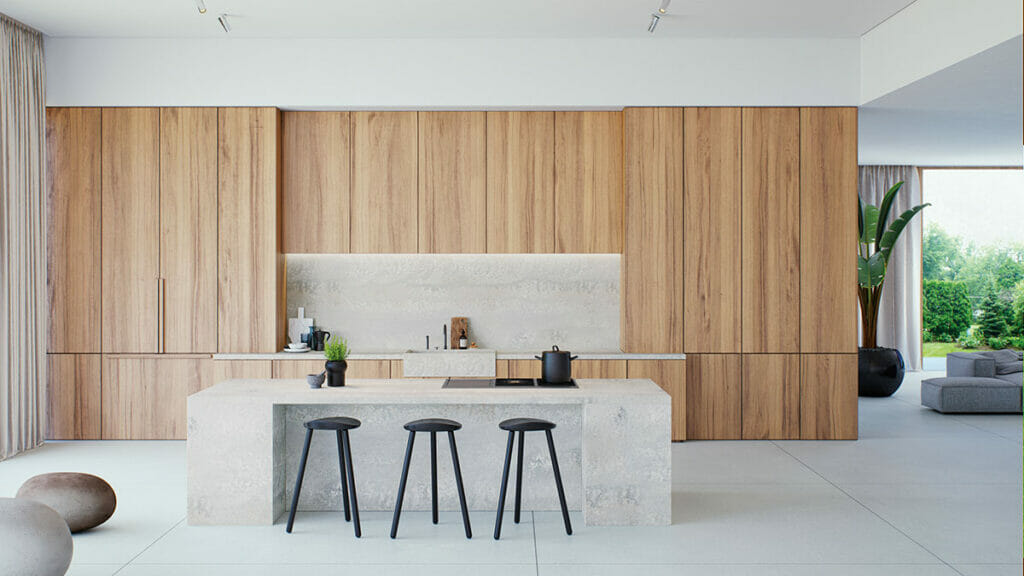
[459, 324]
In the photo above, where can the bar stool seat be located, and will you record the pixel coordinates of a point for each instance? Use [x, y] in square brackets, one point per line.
[526, 425]
[433, 425]
[335, 423]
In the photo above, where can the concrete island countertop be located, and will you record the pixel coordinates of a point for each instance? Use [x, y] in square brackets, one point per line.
[613, 438]
[398, 356]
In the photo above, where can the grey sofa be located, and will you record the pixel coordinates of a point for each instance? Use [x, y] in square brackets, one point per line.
[988, 381]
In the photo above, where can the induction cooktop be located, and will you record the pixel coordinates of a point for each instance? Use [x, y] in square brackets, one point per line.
[504, 383]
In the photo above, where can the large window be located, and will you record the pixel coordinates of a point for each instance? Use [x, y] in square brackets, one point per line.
[973, 259]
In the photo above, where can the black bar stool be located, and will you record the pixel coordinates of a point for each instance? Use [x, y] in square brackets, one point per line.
[522, 426]
[341, 426]
[432, 425]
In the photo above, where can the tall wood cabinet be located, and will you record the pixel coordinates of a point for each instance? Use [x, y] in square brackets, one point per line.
[520, 182]
[250, 274]
[384, 196]
[452, 182]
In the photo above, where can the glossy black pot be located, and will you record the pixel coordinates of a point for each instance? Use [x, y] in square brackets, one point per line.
[336, 373]
[879, 371]
[556, 366]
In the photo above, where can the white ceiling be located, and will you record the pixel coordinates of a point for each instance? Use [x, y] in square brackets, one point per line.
[969, 114]
[452, 18]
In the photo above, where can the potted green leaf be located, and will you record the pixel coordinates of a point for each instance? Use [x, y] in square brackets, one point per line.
[336, 351]
[880, 370]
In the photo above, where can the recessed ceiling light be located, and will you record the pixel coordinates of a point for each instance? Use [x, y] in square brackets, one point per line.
[663, 9]
[201, 6]
[223, 19]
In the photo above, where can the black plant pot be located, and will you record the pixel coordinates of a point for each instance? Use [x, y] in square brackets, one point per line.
[336, 373]
[879, 371]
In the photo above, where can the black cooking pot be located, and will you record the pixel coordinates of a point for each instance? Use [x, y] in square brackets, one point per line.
[556, 366]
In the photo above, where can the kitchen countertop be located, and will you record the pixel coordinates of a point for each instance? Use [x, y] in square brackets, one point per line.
[398, 356]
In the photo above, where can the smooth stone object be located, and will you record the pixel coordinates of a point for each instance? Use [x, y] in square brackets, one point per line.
[84, 501]
[34, 540]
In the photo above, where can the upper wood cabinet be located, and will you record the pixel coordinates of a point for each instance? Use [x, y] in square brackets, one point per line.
[383, 198]
[131, 230]
[250, 276]
[452, 182]
[520, 182]
[316, 164]
[73, 271]
[652, 267]
[588, 182]
[188, 229]
[828, 230]
[712, 229]
[771, 229]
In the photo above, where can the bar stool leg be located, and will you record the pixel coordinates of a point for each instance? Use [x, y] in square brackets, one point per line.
[351, 484]
[344, 483]
[458, 483]
[504, 485]
[298, 480]
[558, 483]
[401, 485]
[519, 476]
[433, 475]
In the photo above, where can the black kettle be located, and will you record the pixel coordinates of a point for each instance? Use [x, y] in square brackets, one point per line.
[556, 366]
[320, 338]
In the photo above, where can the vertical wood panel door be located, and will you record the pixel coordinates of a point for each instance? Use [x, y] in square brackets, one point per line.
[250, 268]
[384, 198]
[145, 398]
[73, 397]
[652, 263]
[671, 376]
[771, 396]
[232, 369]
[712, 230]
[73, 270]
[452, 182]
[316, 168]
[598, 368]
[828, 229]
[188, 229]
[520, 182]
[588, 182]
[771, 229]
[828, 396]
[131, 230]
[714, 397]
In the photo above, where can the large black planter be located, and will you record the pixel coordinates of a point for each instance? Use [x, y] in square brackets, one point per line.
[879, 371]
[336, 373]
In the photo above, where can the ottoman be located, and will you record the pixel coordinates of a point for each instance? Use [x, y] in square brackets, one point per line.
[971, 394]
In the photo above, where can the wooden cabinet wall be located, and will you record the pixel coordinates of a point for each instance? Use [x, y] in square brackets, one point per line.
[712, 230]
[250, 273]
[384, 195]
[452, 182]
[828, 396]
[671, 375]
[73, 273]
[73, 397]
[520, 182]
[652, 267]
[145, 397]
[713, 397]
[356, 368]
[771, 396]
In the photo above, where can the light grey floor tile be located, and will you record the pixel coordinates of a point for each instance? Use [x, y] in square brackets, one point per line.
[959, 523]
[737, 462]
[77, 569]
[1009, 426]
[322, 569]
[324, 537]
[990, 569]
[738, 524]
[889, 418]
[751, 570]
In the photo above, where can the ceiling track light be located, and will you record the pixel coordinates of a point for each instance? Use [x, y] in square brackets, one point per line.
[223, 19]
[663, 9]
[201, 6]
[654, 23]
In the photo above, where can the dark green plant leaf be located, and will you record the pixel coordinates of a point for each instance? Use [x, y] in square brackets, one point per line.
[860, 217]
[883, 212]
[871, 271]
[870, 223]
[891, 235]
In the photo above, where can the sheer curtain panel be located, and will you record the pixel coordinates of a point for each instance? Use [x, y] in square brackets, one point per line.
[22, 238]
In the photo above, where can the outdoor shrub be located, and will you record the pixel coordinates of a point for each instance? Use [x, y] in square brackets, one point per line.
[995, 317]
[946, 309]
[968, 340]
[997, 343]
[1015, 342]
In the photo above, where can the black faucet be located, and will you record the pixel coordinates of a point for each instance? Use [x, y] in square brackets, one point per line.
[444, 328]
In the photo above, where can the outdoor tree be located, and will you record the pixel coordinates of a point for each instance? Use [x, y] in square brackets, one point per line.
[994, 315]
[943, 254]
[947, 308]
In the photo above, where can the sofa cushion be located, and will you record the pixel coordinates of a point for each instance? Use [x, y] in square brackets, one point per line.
[1017, 378]
[965, 394]
[970, 364]
[1007, 361]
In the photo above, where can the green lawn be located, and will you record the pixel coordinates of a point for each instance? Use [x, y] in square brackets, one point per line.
[940, 349]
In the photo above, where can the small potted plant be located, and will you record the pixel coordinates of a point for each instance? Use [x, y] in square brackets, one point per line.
[336, 351]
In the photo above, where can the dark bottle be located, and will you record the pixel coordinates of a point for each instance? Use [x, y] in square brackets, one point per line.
[463, 341]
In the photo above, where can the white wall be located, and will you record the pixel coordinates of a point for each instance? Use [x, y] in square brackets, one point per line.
[600, 73]
[930, 35]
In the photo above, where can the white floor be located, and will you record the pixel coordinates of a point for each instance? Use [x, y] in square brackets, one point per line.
[919, 494]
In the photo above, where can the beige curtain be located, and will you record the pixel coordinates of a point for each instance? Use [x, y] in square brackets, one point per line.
[22, 238]
[899, 315]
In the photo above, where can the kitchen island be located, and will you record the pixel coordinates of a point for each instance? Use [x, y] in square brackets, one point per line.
[245, 439]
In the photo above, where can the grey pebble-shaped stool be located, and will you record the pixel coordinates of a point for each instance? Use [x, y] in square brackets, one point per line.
[432, 425]
[522, 426]
[341, 425]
